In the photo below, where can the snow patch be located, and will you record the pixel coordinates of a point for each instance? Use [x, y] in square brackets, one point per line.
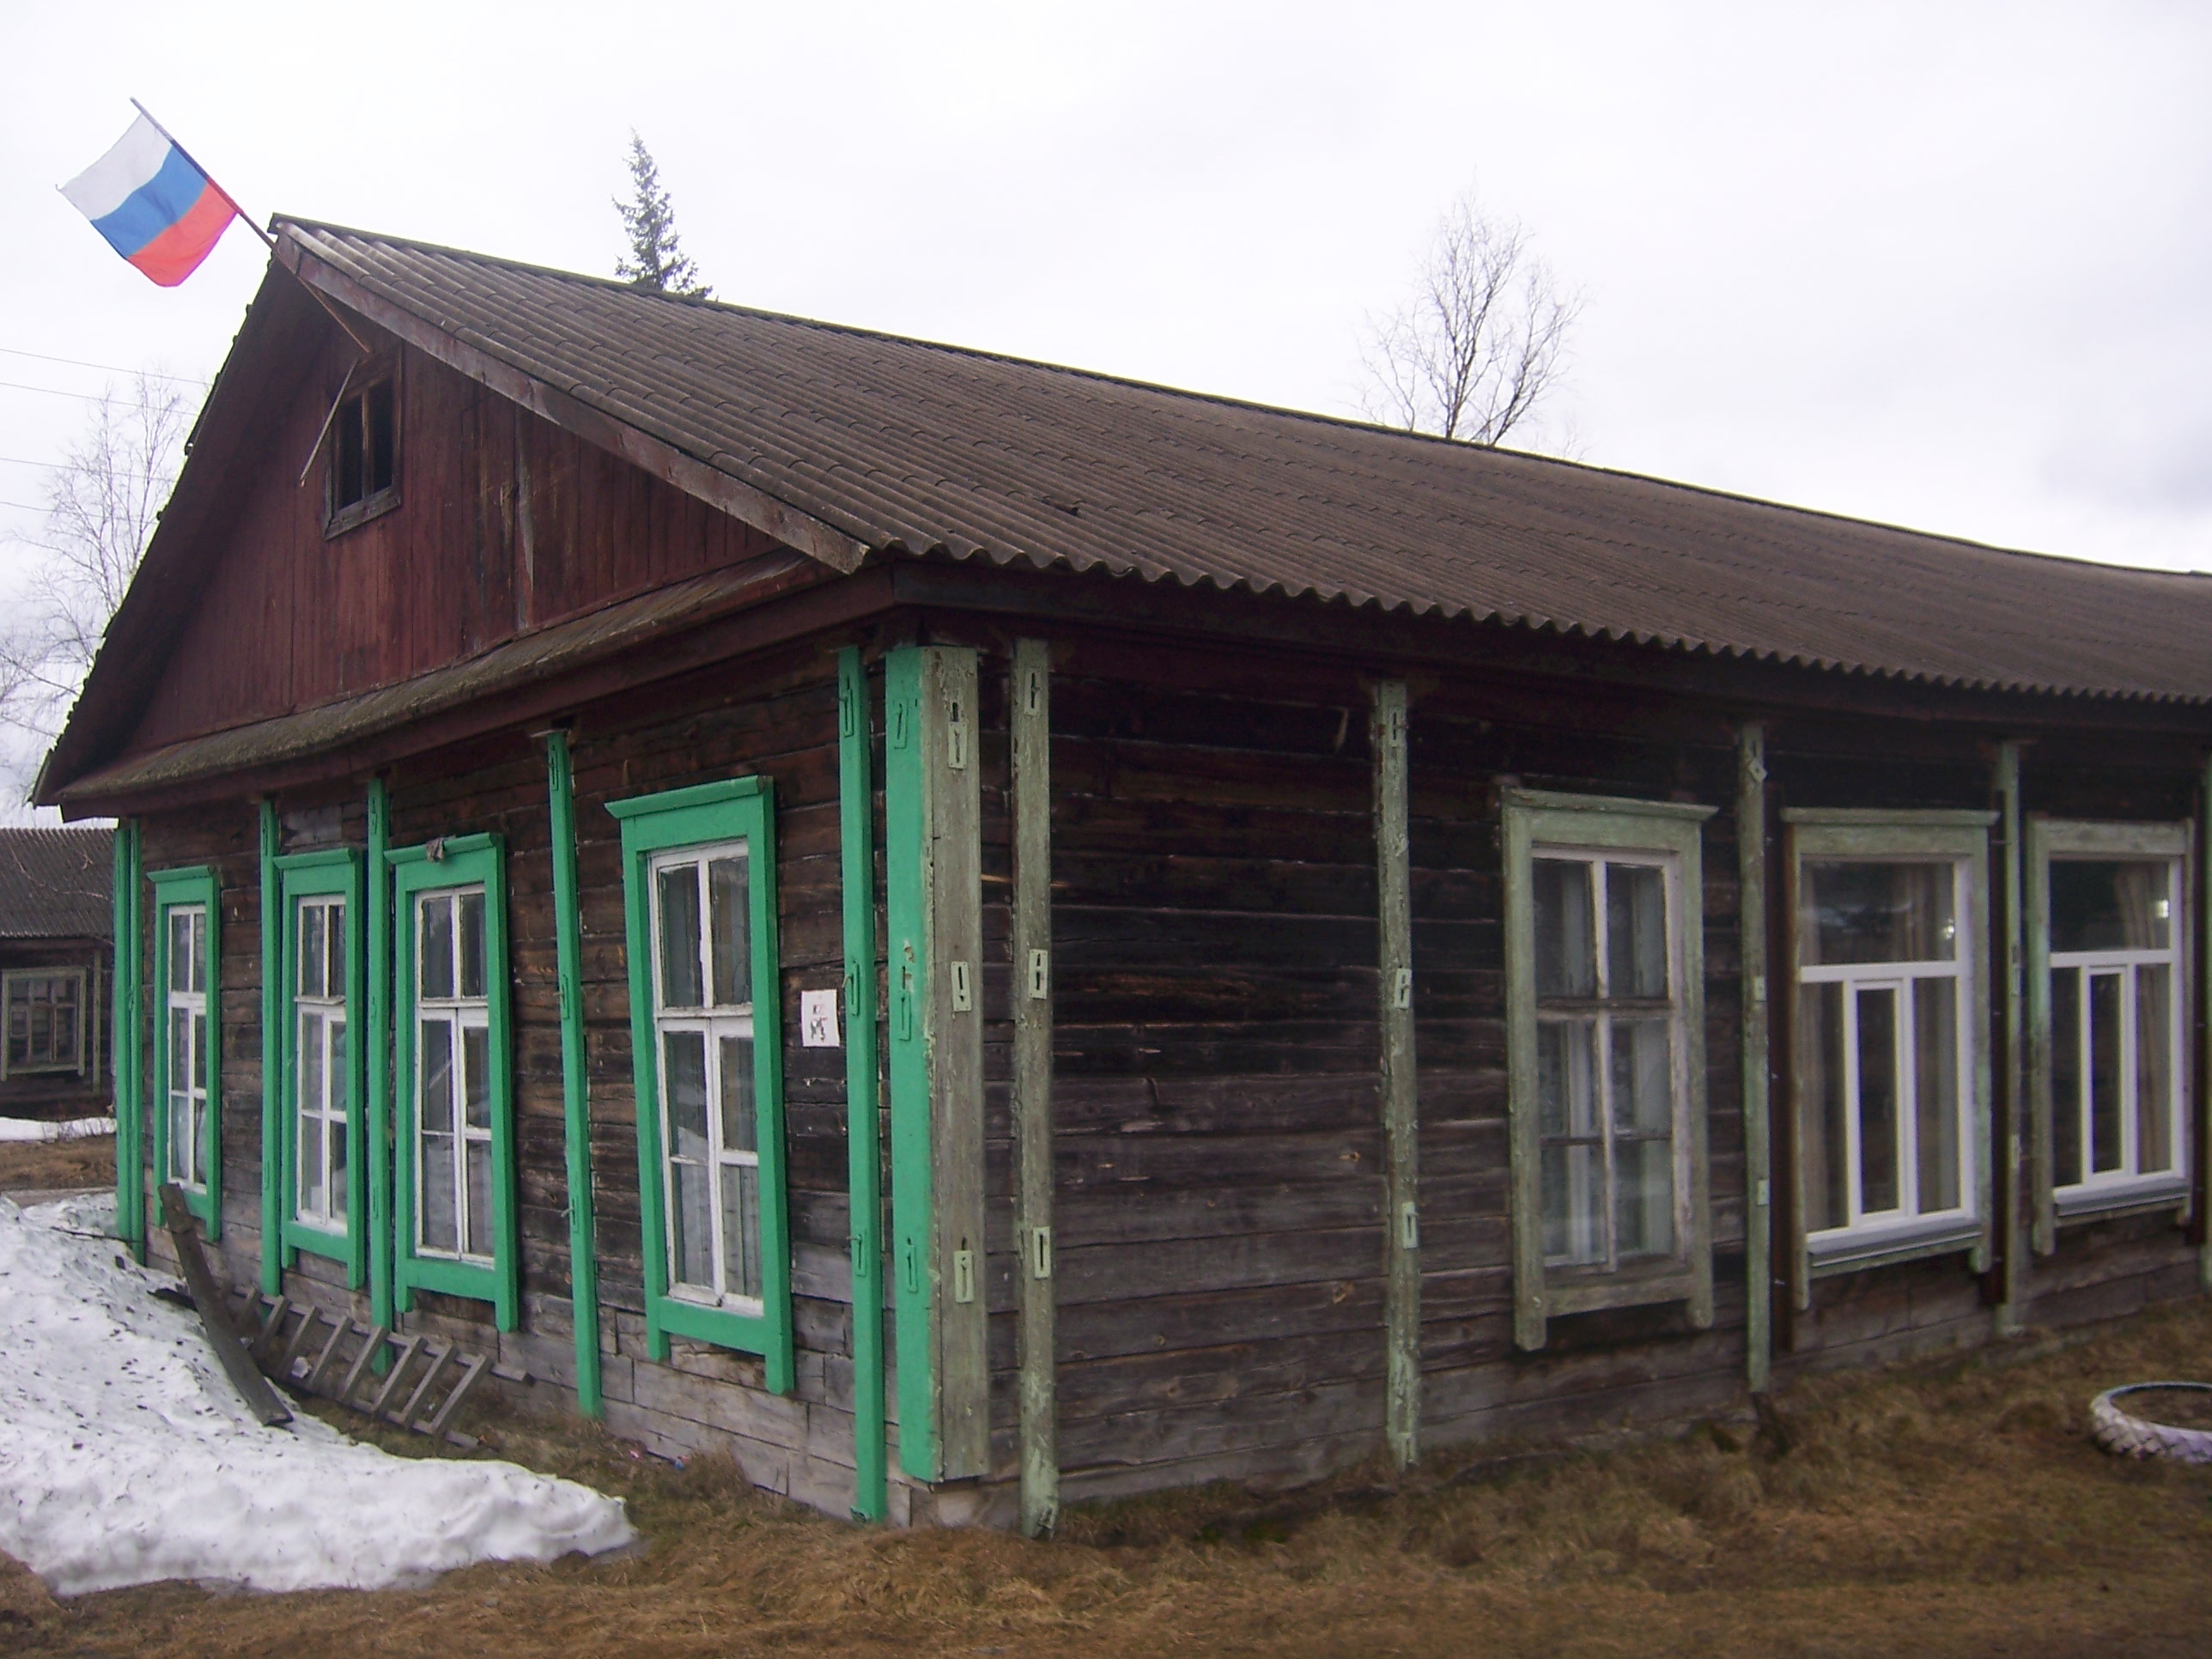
[76, 1129]
[127, 1457]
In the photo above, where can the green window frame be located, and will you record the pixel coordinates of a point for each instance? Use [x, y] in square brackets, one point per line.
[716, 819]
[183, 990]
[431, 886]
[1607, 835]
[314, 881]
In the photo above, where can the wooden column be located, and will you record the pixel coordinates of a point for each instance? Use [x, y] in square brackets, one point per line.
[1031, 721]
[934, 879]
[272, 1059]
[2202, 1126]
[856, 838]
[2011, 1236]
[1401, 1423]
[1758, 1141]
[376, 932]
[576, 1077]
[126, 1057]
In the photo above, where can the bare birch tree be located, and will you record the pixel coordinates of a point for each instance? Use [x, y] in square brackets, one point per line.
[102, 502]
[1483, 337]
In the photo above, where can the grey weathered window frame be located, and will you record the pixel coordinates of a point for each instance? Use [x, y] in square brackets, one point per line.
[1903, 836]
[381, 374]
[1599, 823]
[2046, 838]
[81, 1064]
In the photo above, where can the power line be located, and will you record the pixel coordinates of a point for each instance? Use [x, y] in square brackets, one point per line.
[111, 368]
[56, 392]
[56, 466]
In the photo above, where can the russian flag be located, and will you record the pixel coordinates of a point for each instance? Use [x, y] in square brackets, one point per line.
[153, 204]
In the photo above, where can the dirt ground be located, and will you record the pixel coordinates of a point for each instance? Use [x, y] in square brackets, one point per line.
[57, 1165]
[1952, 1507]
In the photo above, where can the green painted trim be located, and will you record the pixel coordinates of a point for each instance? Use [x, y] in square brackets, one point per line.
[194, 886]
[383, 1301]
[272, 1059]
[575, 1076]
[460, 861]
[655, 824]
[307, 875]
[1755, 978]
[124, 1049]
[906, 908]
[856, 826]
[1634, 828]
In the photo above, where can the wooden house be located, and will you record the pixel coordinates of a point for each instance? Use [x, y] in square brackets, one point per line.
[55, 928]
[981, 935]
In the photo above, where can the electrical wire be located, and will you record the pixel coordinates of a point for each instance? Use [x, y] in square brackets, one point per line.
[109, 368]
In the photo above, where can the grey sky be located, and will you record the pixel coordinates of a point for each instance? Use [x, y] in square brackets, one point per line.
[1944, 265]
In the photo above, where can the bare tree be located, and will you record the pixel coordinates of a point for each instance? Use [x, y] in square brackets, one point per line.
[102, 501]
[1479, 342]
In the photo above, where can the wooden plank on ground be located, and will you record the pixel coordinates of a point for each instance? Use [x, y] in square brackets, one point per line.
[214, 1313]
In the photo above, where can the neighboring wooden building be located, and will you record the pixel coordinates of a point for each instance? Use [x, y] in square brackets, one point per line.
[979, 934]
[56, 926]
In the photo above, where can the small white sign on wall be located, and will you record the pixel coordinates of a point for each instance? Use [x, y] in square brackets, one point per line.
[817, 1019]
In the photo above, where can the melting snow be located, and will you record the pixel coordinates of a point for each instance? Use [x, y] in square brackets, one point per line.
[77, 1128]
[126, 1456]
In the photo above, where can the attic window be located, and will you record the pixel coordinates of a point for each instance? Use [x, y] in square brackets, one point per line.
[364, 456]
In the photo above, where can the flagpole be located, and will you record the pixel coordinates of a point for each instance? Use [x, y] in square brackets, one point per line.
[320, 298]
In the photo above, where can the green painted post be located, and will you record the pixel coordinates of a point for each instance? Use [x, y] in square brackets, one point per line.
[378, 934]
[863, 1088]
[906, 907]
[575, 1085]
[272, 1062]
[123, 1062]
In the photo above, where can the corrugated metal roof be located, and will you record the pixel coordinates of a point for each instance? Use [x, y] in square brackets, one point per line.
[909, 446]
[57, 884]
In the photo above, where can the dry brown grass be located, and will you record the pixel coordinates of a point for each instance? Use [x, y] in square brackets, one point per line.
[57, 1165]
[1948, 1509]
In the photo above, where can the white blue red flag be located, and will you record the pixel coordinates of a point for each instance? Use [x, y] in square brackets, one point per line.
[153, 204]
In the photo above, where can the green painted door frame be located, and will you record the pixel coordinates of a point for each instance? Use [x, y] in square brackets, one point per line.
[856, 816]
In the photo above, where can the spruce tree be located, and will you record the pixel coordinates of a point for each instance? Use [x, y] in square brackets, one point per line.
[656, 260]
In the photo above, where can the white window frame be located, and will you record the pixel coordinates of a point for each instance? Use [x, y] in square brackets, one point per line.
[21, 976]
[1960, 840]
[2051, 840]
[187, 1124]
[1543, 824]
[333, 1109]
[713, 1022]
[459, 1015]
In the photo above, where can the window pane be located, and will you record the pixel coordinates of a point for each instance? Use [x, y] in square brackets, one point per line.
[1566, 940]
[1566, 1077]
[1643, 1078]
[1877, 1057]
[203, 1120]
[476, 1071]
[683, 1078]
[311, 950]
[334, 982]
[180, 1051]
[2110, 905]
[739, 1134]
[692, 1240]
[436, 924]
[472, 944]
[440, 1226]
[199, 1078]
[1574, 1205]
[346, 455]
[310, 1155]
[312, 1090]
[478, 1153]
[1820, 1083]
[336, 1135]
[180, 1135]
[339, 1093]
[1643, 1185]
[726, 895]
[378, 446]
[180, 950]
[1860, 913]
[2066, 1076]
[2154, 1067]
[741, 1263]
[199, 951]
[678, 894]
[436, 1038]
[1635, 930]
[1936, 1091]
[2104, 1072]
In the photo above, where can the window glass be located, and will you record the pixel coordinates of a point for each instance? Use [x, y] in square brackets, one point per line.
[2066, 1076]
[434, 916]
[1936, 1091]
[2154, 1030]
[682, 985]
[2108, 904]
[321, 1074]
[1566, 952]
[732, 943]
[1856, 912]
[452, 1031]
[1636, 931]
[471, 943]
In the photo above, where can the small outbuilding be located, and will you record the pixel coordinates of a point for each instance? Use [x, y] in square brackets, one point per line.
[57, 928]
[981, 935]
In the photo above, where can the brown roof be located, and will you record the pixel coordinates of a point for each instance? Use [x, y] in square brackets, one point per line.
[902, 446]
[57, 884]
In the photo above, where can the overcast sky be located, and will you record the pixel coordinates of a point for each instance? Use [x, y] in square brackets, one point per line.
[1943, 264]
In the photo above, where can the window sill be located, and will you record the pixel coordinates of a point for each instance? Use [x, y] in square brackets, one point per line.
[2107, 1203]
[1851, 1253]
[1573, 1291]
[352, 517]
[59, 1068]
